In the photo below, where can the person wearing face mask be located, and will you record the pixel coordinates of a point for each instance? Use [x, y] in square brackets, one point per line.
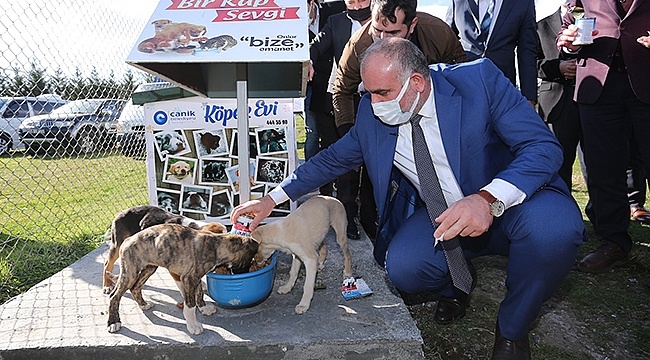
[327, 46]
[388, 18]
[319, 12]
[497, 164]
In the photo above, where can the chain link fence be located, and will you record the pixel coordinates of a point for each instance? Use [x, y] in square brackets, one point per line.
[64, 84]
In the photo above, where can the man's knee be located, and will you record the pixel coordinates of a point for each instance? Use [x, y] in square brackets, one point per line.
[414, 275]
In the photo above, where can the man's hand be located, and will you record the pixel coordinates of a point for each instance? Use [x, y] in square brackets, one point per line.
[644, 40]
[311, 71]
[568, 68]
[261, 208]
[568, 36]
[469, 216]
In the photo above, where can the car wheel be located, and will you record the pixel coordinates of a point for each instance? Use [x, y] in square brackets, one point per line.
[5, 145]
[87, 142]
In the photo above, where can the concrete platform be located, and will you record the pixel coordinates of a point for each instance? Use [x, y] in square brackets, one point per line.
[65, 316]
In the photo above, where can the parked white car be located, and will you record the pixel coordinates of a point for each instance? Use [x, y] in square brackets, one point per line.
[13, 110]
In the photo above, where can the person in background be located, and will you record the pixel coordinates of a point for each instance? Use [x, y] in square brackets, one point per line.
[613, 95]
[495, 29]
[557, 71]
[390, 18]
[328, 44]
[497, 164]
[318, 12]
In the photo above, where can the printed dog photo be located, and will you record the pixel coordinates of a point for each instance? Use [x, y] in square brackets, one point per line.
[179, 170]
[252, 144]
[221, 204]
[233, 177]
[271, 170]
[171, 143]
[196, 199]
[213, 171]
[271, 141]
[210, 142]
[169, 200]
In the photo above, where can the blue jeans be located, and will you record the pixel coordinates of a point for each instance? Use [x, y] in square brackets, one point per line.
[311, 142]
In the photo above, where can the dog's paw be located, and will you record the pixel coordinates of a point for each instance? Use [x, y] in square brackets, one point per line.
[284, 289]
[301, 309]
[112, 328]
[208, 309]
[107, 289]
[194, 328]
[148, 305]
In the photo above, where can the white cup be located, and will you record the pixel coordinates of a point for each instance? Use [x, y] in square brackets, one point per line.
[585, 27]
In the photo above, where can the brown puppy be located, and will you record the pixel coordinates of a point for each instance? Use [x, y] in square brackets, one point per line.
[301, 233]
[184, 251]
[135, 219]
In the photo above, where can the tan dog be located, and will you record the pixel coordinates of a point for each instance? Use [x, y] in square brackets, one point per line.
[301, 233]
[180, 171]
[131, 221]
[184, 251]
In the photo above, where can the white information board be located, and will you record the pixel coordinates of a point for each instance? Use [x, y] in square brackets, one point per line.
[192, 156]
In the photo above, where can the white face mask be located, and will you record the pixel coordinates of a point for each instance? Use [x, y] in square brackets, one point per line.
[390, 113]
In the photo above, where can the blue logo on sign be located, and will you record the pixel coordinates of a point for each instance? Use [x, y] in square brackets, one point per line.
[160, 117]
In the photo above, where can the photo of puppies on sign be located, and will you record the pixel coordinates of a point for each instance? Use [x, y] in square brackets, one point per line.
[171, 143]
[210, 143]
[271, 141]
[180, 170]
[196, 199]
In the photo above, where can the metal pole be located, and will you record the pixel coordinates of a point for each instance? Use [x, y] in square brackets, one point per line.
[243, 141]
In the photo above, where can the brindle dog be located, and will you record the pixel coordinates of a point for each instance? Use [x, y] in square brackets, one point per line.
[130, 221]
[184, 251]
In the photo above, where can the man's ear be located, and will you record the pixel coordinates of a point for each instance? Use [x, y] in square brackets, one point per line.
[419, 81]
[413, 23]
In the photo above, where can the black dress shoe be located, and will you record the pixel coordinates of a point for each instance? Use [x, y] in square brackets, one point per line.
[603, 258]
[353, 230]
[505, 349]
[450, 309]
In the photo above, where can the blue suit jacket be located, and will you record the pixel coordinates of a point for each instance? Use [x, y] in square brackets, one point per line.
[488, 131]
[515, 27]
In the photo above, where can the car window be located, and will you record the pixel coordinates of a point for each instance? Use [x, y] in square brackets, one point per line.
[78, 107]
[17, 108]
[42, 107]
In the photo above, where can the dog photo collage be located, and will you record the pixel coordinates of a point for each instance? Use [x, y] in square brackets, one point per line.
[197, 171]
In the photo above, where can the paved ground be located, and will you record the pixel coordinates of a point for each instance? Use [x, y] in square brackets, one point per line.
[64, 317]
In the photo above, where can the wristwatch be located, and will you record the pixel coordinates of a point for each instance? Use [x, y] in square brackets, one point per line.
[497, 207]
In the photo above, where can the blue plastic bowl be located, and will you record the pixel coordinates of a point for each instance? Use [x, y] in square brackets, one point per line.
[242, 290]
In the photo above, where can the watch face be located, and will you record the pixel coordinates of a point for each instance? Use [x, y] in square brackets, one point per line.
[498, 207]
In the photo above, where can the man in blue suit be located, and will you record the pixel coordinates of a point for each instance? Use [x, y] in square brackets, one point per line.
[495, 29]
[489, 148]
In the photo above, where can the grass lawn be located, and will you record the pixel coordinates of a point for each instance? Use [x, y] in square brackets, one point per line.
[54, 211]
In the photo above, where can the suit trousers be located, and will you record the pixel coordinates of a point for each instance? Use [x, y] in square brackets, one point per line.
[607, 127]
[541, 237]
[568, 132]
